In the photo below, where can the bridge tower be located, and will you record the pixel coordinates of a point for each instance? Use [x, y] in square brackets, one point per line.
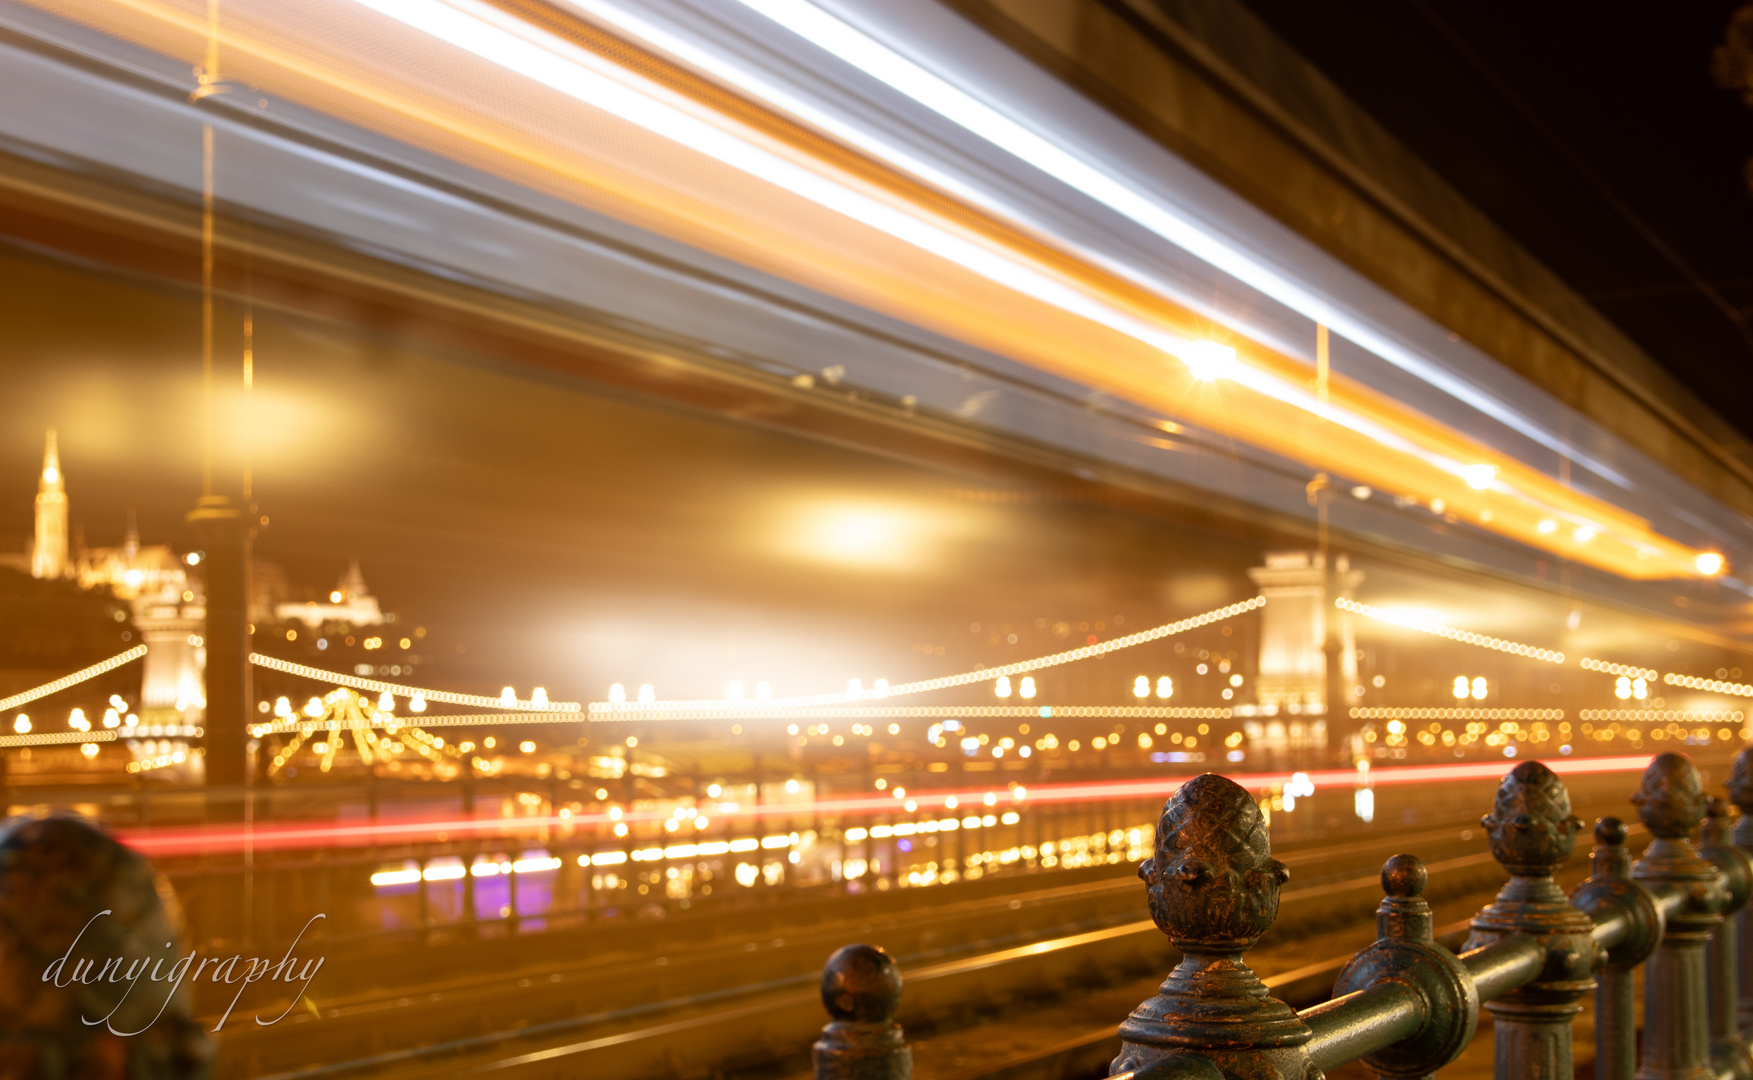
[1300, 627]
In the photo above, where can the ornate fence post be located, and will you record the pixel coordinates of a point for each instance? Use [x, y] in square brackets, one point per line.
[1721, 958]
[861, 989]
[1213, 889]
[1608, 892]
[1741, 793]
[1406, 952]
[1532, 834]
[1676, 1007]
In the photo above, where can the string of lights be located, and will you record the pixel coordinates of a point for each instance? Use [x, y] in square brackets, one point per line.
[724, 711]
[343, 713]
[1715, 686]
[1466, 637]
[375, 686]
[607, 710]
[57, 738]
[285, 725]
[1630, 671]
[74, 679]
[1639, 716]
[1395, 713]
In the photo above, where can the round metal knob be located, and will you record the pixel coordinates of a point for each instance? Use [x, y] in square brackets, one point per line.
[1404, 877]
[861, 984]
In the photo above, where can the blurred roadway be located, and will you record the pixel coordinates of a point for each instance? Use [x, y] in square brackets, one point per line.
[615, 1004]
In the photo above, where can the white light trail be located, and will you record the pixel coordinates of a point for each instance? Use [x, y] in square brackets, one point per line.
[561, 66]
[956, 105]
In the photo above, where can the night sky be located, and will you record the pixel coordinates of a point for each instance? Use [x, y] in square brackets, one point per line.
[1593, 133]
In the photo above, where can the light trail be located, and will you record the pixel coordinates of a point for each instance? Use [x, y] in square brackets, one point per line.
[214, 840]
[74, 679]
[376, 686]
[860, 225]
[658, 710]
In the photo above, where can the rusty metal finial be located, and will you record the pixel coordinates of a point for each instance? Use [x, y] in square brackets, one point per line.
[1213, 889]
[1405, 953]
[1741, 782]
[1609, 858]
[1213, 883]
[861, 989]
[1531, 827]
[1610, 894]
[1610, 889]
[1404, 914]
[72, 897]
[1533, 833]
[1741, 794]
[1671, 800]
[1677, 1028]
[1722, 954]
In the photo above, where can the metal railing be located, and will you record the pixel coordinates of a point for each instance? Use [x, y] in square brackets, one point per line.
[1405, 1006]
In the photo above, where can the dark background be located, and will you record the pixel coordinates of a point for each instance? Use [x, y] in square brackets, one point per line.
[1594, 134]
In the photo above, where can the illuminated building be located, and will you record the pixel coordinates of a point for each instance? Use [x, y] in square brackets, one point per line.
[350, 603]
[48, 552]
[164, 599]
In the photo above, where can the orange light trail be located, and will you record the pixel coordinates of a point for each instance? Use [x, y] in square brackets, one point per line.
[310, 834]
[556, 103]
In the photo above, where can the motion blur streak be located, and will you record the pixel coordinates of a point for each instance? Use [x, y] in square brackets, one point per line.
[598, 122]
[877, 60]
[291, 835]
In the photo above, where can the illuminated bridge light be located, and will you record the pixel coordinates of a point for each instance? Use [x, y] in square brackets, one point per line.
[1383, 713]
[707, 709]
[1484, 641]
[59, 738]
[77, 677]
[1715, 686]
[419, 695]
[901, 712]
[1630, 671]
[1641, 716]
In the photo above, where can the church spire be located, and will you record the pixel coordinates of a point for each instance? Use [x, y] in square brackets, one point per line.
[48, 556]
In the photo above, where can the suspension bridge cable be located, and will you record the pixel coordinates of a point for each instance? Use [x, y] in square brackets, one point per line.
[74, 679]
[376, 686]
[605, 710]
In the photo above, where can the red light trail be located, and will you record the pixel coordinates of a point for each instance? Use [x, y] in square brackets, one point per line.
[389, 832]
